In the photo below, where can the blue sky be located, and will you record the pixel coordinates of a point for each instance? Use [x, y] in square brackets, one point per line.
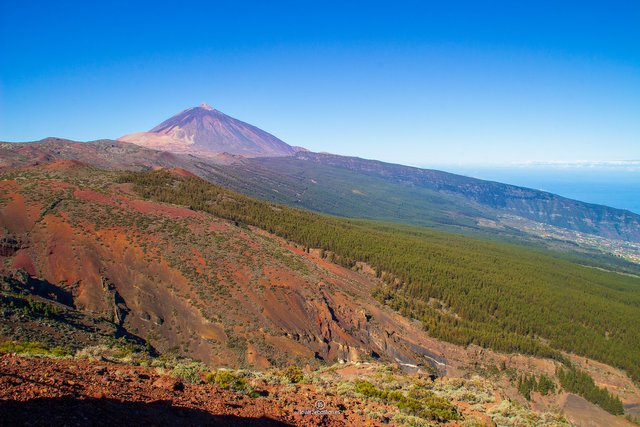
[410, 82]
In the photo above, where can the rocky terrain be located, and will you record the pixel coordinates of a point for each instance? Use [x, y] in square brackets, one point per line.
[92, 389]
[38, 391]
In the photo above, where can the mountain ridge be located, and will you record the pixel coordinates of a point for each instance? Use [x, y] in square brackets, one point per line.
[352, 187]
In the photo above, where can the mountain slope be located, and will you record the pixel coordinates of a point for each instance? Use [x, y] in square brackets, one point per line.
[107, 154]
[205, 130]
[464, 290]
[77, 227]
[209, 278]
[371, 189]
[187, 281]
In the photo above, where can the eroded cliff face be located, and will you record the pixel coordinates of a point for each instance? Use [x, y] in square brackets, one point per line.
[192, 283]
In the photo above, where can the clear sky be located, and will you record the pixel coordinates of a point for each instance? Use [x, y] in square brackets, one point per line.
[420, 82]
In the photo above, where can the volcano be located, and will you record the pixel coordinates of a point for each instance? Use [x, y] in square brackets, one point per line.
[203, 130]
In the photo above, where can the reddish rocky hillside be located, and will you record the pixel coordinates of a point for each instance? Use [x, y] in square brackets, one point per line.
[189, 282]
[91, 271]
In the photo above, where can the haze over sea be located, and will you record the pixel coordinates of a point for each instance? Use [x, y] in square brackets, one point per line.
[615, 186]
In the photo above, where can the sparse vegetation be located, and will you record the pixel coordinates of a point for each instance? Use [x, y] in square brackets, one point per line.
[420, 403]
[508, 413]
[545, 385]
[39, 308]
[633, 419]
[292, 373]
[528, 383]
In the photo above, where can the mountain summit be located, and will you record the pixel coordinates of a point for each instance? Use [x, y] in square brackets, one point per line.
[204, 130]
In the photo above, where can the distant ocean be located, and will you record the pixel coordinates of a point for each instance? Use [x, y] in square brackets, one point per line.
[610, 187]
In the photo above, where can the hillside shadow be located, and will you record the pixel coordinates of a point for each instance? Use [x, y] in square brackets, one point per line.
[23, 282]
[50, 291]
[68, 411]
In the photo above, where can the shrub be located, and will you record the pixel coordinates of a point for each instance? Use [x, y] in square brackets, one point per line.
[59, 351]
[632, 419]
[120, 351]
[528, 383]
[545, 385]
[510, 413]
[420, 403]
[230, 380]
[293, 374]
[188, 372]
[42, 309]
[93, 352]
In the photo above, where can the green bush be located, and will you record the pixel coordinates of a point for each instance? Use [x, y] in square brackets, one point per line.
[230, 380]
[632, 419]
[41, 308]
[545, 385]
[188, 372]
[292, 373]
[528, 383]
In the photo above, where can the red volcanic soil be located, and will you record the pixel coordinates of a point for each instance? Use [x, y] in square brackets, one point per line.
[182, 172]
[142, 206]
[62, 165]
[57, 392]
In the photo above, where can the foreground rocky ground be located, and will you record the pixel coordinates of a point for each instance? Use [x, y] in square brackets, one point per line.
[67, 391]
[42, 391]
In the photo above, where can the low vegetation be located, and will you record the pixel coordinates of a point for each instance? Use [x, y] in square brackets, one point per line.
[227, 379]
[292, 373]
[509, 413]
[33, 349]
[188, 372]
[418, 402]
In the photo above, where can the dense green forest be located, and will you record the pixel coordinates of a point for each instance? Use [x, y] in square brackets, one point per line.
[466, 291]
